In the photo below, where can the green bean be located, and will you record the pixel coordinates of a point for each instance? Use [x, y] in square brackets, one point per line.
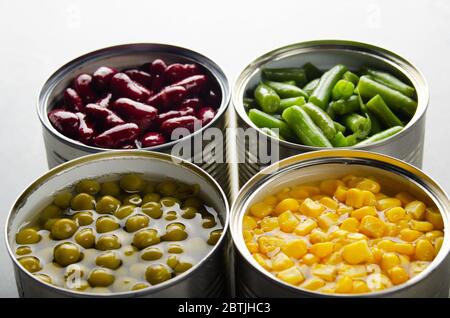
[285, 90]
[339, 140]
[261, 119]
[375, 123]
[358, 124]
[351, 140]
[311, 71]
[249, 103]
[398, 102]
[390, 81]
[285, 74]
[267, 98]
[290, 83]
[321, 119]
[342, 90]
[351, 77]
[377, 106]
[272, 133]
[339, 127]
[345, 106]
[381, 136]
[309, 88]
[304, 127]
[322, 92]
[288, 102]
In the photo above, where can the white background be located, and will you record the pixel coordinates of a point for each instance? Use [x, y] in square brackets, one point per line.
[36, 37]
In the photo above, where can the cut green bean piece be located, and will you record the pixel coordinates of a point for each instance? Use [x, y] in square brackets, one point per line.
[288, 102]
[309, 88]
[374, 122]
[285, 74]
[267, 98]
[321, 94]
[321, 119]
[261, 120]
[290, 83]
[351, 77]
[378, 107]
[345, 106]
[339, 140]
[381, 136]
[285, 90]
[339, 127]
[390, 81]
[342, 90]
[249, 103]
[359, 125]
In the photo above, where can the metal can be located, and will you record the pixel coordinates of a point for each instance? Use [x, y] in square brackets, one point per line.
[60, 148]
[208, 278]
[406, 145]
[254, 281]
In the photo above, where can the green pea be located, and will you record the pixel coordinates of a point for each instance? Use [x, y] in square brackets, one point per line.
[139, 286]
[66, 253]
[30, 263]
[151, 254]
[100, 277]
[182, 267]
[172, 261]
[85, 238]
[136, 222]
[149, 188]
[209, 222]
[167, 188]
[175, 249]
[106, 224]
[43, 277]
[23, 250]
[145, 238]
[175, 232]
[63, 229]
[107, 242]
[82, 201]
[83, 218]
[134, 199]
[28, 236]
[193, 202]
[62, 200]
[156, 274]
[130, 251]
[49, 223]
[88, 186]
[171, 216]
[214, 237]
[124, 211]
[109, 260]
[169, 202]
[189, 212]
[111, 188]
[107, 205]
[152, 209]
[132, 183]
[151, 197]
[50, 212]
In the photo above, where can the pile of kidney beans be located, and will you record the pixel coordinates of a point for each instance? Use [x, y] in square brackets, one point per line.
[136, 107]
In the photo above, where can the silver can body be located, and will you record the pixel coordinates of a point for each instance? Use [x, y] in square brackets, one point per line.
[254, 281]
[60, 148]
[406, 145]
[208, 278]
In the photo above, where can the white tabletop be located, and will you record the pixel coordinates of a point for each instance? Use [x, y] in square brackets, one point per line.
[39, 36]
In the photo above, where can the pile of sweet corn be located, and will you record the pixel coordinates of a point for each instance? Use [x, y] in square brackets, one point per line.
[343, 236]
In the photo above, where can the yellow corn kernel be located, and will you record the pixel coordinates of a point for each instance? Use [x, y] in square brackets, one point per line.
[351, 225]
[349, 178]
[378, 281]
[422, 226]
[313, 283]
[263, 261]
[409, 235]
[322, 249]
[305, 227]
[329, 203]
[333, 259]
[398, 275]
[343, 209]
[369, 185]
[404, 248]
[261, 210]
[318, 236]
[288, 221]
[268, 244]
[338, 234]
[291, 276]
[417, 267]
[311, 208]
[391, 229]
[362, 212]
[269, 223]
[296, 248]
[356, 253]
[329, 186]
[376, 256]
[372, 226]
[344, 285]
[388, 203]
[340, 194]
[424, 251]
[404, 260]
[433, 216]
[438, 244]
[404, 197]
[318, 197]
[326, 272]
[356, 236]
[283, 194]
[386, 245]
[288, 204]
[369, 198]
[355, 198]
[281, 262]
[379, 196]
[310, 259]
[416, 209]
[402, 224]
[389, 260]
[360, 287]
[433, 234]
[271, 200]
[327, 220]
[258, 231]
[395, 214]
[353, 271]
[299, 193]
[249, 223]
[253, 247]
[247, 235]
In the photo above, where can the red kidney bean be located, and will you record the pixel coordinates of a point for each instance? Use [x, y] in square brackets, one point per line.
[206, 114]
[152, 139]
[117, 136]
[185, 111]
[177, 72]
[123, 86]
[157, 70]
[104, 116]
[213, 98]
[140, 77]
[168, 97]
[64, 121]
[195, 103]
[138, 113]
[193, 84]
[86, 132]
[129, 146]
[105, 101]
[72, 100]
[189, 122]
[102, 77]
[83, 84]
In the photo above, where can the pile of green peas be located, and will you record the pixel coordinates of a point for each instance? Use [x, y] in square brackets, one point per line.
[118, 234]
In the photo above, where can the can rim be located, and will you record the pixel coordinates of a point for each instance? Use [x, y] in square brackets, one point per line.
[388, 57]
[406, 170]
[222, 81]
[105, 156]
